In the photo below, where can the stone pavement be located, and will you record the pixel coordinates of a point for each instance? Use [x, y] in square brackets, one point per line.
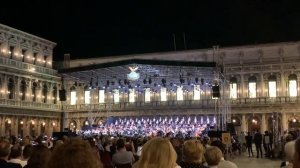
[244, 161]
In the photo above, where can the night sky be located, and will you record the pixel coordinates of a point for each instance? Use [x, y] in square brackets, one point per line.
[104, 28]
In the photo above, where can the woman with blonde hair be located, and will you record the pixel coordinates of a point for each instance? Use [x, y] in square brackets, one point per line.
[193, 154]
[157, 153]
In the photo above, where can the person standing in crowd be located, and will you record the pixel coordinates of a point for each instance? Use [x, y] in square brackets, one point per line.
[213, 156]
[74, 153]
[296, 158]
[15, 155]
[39, 157]
[157, 153]
[122, 156]
[249, 139]
[258, 142]
[193, 152]
[4, 154]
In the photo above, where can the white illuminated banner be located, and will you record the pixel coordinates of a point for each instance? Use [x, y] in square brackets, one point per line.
[293, 88]
[116, 95]
[197, 92]
[272, 89]
[147, 95]
[252, 90]
[101, 96]
[179, 93]
[131, 96]
[87, 97]
[163, 94]
[73, 98]
[233, 90]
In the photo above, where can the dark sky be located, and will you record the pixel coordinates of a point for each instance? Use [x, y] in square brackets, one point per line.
[98, 28]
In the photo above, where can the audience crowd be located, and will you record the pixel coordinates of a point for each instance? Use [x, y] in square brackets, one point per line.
[139, 152]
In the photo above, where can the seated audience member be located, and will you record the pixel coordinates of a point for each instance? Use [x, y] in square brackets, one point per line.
[223, 163]
[15, 155]
[157, 153]
[74, 153]
[296, 158]
[192, 154]
[4, 154]
[122, 156]
[39, 157]
[213, 156]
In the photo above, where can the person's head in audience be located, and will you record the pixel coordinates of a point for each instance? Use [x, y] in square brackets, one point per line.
[75, 153]
[120, 144]
[16, 152]
[219, 144]
[296, 159]
[4, 149]
[27, 151]
[39, 157]
[213, 156]
[193, 151]
[157, 153]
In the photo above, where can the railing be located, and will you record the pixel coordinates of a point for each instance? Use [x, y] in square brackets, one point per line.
[207, 103]
[26, 66]
[29, 105]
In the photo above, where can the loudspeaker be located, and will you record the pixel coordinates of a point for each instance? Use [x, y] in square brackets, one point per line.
[62, 95]
[215, 91]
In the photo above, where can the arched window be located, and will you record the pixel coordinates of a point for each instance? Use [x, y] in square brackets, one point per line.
[72, 126]
[233, 87]
[272, 86]
[293, 92]
[73, 95]
[87, 95]
[21, 128]
[54, 94]
[23, 90]
[44, 92]
[34, 88]
[10, 88]
[43, 127]
[252, 87]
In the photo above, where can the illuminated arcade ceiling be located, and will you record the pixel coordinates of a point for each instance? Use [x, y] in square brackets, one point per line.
[152, 73]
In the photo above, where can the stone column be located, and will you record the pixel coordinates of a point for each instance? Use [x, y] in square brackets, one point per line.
[2, 124]
[284, 122]
[25, 127]
[263, 123]
[244, 123]
[283, 85]
[242, 86]
[262, 86]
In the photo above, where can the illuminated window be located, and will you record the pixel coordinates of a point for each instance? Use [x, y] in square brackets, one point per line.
[197, 92]
[73, 97]
[272, 86]
[233, 87]
[179, 93]
[131, 95]
[116, 95]
[163, 94]
[101, 96]
[252, 87]
[87, 97]
[293, 85]
[147, 95]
